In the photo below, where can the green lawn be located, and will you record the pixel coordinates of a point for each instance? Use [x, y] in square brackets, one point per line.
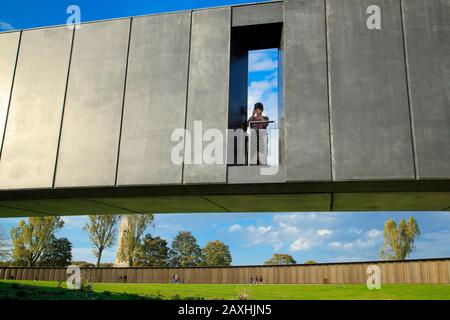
[52, 290]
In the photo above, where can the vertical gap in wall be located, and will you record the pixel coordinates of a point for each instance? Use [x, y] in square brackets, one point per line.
[11, 93]
[281, 96]
[408, 90]
[330, 123]
[225, 154]
[63, 107]
[123, 100]
[187, 98]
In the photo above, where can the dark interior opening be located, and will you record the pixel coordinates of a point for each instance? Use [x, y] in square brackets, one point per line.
[243, 40]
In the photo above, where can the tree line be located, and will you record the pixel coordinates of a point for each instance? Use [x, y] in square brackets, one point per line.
[34, 243]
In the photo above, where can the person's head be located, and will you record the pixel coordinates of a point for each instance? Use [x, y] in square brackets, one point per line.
[259, 108]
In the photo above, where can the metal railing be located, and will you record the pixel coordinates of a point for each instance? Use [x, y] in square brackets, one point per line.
[261, 145]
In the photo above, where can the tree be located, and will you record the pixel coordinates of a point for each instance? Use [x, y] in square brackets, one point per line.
[154, 252]
[280, 259]
[102, 231]
[185, 251]
[4, 252]
[310, 262]
[399, 240]
[31, 239]
[216, 254]
[58, 253]
[132, 239]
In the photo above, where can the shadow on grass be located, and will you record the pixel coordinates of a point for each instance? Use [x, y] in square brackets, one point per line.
[18, 291]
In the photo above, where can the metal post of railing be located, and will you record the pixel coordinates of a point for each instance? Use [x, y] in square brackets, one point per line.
[255, 144]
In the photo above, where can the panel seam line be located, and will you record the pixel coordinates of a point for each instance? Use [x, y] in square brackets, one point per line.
[63, 107]
[11, 93]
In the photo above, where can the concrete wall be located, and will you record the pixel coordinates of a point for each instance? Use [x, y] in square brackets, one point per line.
[9, 44]
[155, 98]
[307, 135]
[370, 122]
[34, 120]
[427, 34]
[90, 116]
[93, 111]
[208, 89]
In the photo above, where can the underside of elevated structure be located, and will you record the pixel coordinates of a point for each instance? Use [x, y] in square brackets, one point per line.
[88, 114]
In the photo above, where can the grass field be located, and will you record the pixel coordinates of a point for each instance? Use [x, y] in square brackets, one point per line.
[38, 290]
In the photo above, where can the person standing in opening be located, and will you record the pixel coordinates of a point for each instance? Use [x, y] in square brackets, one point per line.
[258, 124]
[251, 279]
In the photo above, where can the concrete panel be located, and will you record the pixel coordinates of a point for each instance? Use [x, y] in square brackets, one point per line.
[164, 204]
[273, 202]
[31, 139]
[208, 89]
[427, 34]
[8, 212]
[393, 201]
[155, 99]
[371, 132]
[257, 14]
[306, 122]
[9, 43]
[63, 206]
[255, 174]
[92, 116]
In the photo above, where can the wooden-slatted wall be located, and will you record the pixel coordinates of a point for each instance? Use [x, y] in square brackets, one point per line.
[405, 272]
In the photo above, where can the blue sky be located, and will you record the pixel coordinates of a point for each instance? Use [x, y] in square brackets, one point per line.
[254, 237]
[31, 13]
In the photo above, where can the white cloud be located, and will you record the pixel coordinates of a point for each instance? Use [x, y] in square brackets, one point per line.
[264, 235]
[289, 229]
[259, 90]
[259, 230]
[355, 231]
[87, 254]
[235, 227]
[75, 222]
[374, 233]
[335, 245]
[301, 244]
[5, 26]
[350, 245]
[261, 61]
[324, 232]
[433, 244]
[310, 217]
[364, 243]
[83, 254]
[347, 245]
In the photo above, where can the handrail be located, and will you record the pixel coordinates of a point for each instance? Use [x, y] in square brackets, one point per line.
[262, 121]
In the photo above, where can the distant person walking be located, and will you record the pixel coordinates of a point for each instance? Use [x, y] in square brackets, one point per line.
[258, 138]
[251, 279]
